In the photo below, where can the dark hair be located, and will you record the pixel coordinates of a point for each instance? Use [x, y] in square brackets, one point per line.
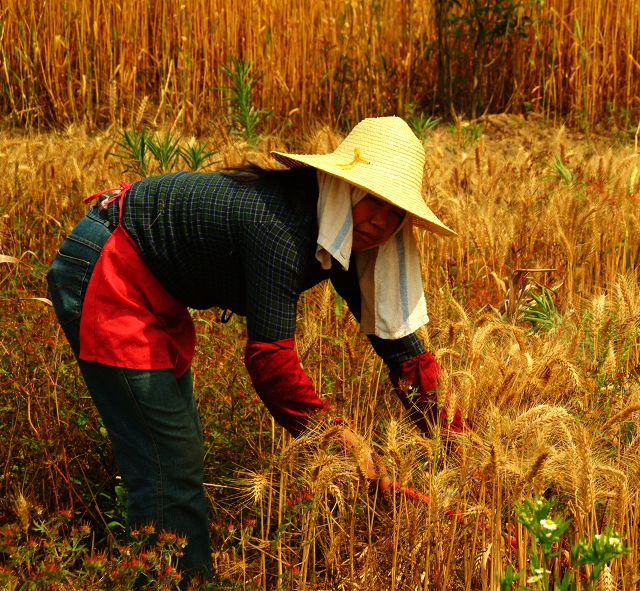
[292, 181]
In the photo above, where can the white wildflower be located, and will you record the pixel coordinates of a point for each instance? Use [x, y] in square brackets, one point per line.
[537, 575]
[548, 524]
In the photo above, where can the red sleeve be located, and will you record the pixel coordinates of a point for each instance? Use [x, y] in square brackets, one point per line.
[416, 382]
[282, 384]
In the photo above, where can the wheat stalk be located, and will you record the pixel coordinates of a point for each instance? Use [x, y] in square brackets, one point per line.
[606, 579]
[586, 480]
[140, 112]
[621, 416]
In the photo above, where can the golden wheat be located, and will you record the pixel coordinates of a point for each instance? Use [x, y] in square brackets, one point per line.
[357, 58]
[552, 410]
[586, 481]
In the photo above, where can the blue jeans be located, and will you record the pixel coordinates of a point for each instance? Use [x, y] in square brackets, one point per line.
[151, 416]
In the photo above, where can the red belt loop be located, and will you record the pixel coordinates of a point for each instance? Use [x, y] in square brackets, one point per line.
[119, 192]
[124, 187]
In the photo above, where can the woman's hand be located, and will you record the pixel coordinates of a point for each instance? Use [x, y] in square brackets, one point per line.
[364, 455]
[373, 470]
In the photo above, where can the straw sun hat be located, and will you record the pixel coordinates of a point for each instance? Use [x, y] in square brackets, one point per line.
[382, 156]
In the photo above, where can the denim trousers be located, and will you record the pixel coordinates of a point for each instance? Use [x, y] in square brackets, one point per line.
[150, 415]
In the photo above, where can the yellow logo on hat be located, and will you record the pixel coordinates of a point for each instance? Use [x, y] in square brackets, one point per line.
[356, 158]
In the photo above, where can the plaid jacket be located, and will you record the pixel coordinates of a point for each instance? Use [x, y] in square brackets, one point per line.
[215, 239]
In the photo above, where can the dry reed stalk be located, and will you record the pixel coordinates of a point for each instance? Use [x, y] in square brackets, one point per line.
[373, 49]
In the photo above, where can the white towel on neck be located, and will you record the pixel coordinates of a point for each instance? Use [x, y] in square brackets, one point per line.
[392, 296]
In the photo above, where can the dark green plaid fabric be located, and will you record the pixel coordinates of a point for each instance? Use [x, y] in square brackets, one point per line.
[213, 240]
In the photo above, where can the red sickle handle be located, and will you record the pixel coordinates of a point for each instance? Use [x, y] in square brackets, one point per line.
[410, 493]
[415, 495]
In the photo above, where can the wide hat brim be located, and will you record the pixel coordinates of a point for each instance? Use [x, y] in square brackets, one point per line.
[384, 157]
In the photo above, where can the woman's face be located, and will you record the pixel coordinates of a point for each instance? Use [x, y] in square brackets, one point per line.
[374, 222]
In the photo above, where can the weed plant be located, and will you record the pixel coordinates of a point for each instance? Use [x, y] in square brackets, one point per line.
[53, 553]
[245, 117]
[421, 123]
[551, 388]
[546, 539]
[143, 153]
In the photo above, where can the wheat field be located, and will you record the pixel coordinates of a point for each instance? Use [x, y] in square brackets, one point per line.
[554, 398]
[333, 61]
[534, 307]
